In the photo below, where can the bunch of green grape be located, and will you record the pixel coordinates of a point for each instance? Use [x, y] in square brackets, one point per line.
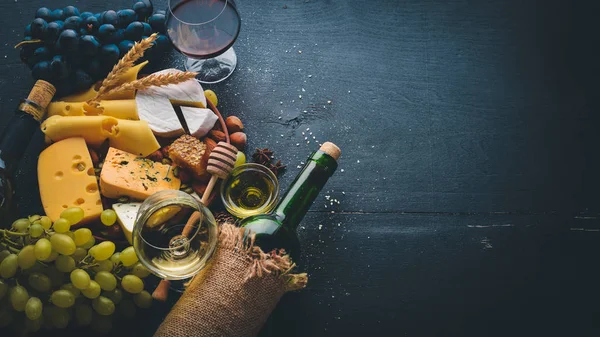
[51, 276]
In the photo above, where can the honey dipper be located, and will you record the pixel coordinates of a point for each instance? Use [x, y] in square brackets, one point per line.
[220, 164]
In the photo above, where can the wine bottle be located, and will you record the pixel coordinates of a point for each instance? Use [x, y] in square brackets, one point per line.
[277, 230]
[15, 139]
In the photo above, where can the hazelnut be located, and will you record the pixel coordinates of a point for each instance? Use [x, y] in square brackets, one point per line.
[234, 124]
[185, 176]
[218, 136]
[156, 156]
[238, 140]
[165, 151]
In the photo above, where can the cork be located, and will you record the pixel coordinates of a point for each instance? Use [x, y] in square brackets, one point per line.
[42, 93]
[331, 149]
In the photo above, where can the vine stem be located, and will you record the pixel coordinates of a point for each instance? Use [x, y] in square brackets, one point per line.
[7, 232]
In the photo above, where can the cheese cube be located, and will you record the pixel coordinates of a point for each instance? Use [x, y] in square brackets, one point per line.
[125, 174]
[66, 178]
[126, 215]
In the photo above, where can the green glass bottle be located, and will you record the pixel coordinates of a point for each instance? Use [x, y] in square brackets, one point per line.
[277, 230]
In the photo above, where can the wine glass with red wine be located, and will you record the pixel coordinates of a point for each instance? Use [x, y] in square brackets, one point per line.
[204, 31]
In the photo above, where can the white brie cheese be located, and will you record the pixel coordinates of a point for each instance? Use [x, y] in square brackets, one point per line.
[199, 121]
[189, 91]
[126, 214]
[160, 115]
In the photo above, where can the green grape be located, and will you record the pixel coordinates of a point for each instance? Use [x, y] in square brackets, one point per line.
[129, 257]
[63, 244]
[89, 244]
[18, 298]
[83, 314]
[127, 308]
[240, 159]
[26, 258]
[56, 277]
[108, 217]
[116, 295]
[36, 230]
[106, 280]
[140, 270]
[33, 308]
[21, 225]
[70, 287]
[71, 235]
[46, 222]
[52, 257]
[34, 325]
[64, 263]
[3, 255]
[132, 284]
[61, 225]
[143, 299]
[40, 282]
[60, 317]
[101, 324]
[115, 258]
[79, 254]
[73, 214]
[42, 249]
[33, 218]
[92, 291]
[80, 279]
[8, 267]
[103, 305]
[102, 251]
[3, 288]
[63, 298]
[82, 236]
[105, 265]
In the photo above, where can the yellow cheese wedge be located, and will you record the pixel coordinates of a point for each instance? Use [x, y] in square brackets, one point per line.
[66, 178]
[131, 136]
[129, 76]
[125, 174]
[123, 109]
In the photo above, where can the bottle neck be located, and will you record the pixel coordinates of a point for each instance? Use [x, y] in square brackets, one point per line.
[298, 199]
[15, 138]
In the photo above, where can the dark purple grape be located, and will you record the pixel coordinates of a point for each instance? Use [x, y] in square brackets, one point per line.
[143, 9]
[118, 36]
[89, 45]
[68, 41]
[57, 14]
[73, 22]
[134, 31]
[86, 15]
[162, 42]
[42, 54]
[94, 68]
[59, 68]
[82, 80]
[124, 46]
[91, 25]
[106, 32]
[38, 28]
[111, 18]
[157, 21]
[147, 29]
[71, 11]
[98, 17]
[41, 71]
[43, 13]
[27, 31]
[110, 54]
[64, 88]
[53, 31]
[126, 16]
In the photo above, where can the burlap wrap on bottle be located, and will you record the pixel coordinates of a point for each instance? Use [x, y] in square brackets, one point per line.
[235, 294]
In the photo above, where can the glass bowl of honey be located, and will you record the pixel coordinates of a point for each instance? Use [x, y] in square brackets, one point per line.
[250, 189]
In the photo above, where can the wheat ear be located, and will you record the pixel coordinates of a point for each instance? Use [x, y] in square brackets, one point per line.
[151, 81]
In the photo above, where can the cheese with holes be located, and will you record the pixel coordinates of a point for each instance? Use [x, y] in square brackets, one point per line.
[66, 179]
[125, 174]
[126, 214]
[131, 136]
[123, 109]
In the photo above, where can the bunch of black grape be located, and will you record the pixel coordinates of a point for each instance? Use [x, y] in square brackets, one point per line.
[72, 50]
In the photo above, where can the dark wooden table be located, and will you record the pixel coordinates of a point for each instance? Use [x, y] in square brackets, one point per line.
[468, 187]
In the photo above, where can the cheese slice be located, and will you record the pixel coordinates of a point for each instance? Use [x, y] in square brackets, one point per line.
[123, 109]
[199, 121]
[160, 115]
[66, 179]
[125, 174]
[126, 215]
[185, 93]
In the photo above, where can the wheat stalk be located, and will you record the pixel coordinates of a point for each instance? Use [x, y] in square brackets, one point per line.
[124, 64]
[155, 80]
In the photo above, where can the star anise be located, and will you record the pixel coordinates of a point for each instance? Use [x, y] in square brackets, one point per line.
[277, 168]
[262, 156]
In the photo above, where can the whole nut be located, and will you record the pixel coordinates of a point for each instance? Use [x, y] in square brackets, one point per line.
[185, 176]
[234, 124]
[238, 140]
[156, 156]
[164, 151]
[218, 136]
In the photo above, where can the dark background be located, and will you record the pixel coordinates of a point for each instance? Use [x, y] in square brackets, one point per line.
[469, 193]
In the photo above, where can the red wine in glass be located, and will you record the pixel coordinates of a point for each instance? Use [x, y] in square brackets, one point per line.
[204, 31]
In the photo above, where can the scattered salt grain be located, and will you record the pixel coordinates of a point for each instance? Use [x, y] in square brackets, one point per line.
[320, 227]
[299, 51]
[300, 96]
[342, 170]
[297, 144]
[328, 102]
[309, 76]
[303, 90]
[358, 161]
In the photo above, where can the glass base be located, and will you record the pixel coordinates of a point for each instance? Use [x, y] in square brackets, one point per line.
[213, 70]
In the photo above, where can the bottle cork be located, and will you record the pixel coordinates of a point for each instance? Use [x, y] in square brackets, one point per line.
[331, 149]
[41, 94]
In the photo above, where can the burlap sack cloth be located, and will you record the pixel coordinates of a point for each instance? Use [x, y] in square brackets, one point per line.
[235, 294]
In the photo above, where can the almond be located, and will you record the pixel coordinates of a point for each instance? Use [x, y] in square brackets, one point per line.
[234, 124]
[218, 136]
[238, 140]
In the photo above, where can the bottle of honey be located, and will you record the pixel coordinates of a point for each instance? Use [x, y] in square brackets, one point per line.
[277, 230]
[15, 139]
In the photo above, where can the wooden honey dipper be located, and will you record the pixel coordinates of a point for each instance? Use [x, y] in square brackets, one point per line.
[220, 164]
